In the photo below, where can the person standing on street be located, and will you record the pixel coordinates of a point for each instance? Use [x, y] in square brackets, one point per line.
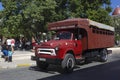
[5, 51]
[23, 43]
[9, 42]
[10, 52]
[13, 43]
[33, 43]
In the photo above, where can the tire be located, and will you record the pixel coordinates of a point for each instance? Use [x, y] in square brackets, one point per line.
[68, 63]
[42, 65]
[103, 55]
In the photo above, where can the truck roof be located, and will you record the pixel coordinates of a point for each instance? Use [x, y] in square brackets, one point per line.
[100, 25]
[70, 23]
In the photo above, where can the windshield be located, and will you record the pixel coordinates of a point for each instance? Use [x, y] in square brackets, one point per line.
[62, 35]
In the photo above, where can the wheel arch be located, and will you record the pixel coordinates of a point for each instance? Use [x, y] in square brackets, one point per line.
[68, 52]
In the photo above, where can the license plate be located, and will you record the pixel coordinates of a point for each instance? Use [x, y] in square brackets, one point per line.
[42, 59]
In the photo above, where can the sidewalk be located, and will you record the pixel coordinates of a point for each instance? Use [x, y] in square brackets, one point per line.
[20, 59]
[114, 48]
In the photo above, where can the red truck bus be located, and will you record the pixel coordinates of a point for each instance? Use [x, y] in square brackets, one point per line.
[75, 40]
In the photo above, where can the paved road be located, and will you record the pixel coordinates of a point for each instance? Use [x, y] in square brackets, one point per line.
[92, 71]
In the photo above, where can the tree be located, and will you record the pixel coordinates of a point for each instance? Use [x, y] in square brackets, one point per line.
[116, 23]
[26, 16]
[97, 10]
[31, 16]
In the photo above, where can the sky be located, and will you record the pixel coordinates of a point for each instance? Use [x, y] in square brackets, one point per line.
[114, 4]
[1, 6]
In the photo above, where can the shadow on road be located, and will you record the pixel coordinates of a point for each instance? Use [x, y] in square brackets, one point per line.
[107, 71]
[52, 69]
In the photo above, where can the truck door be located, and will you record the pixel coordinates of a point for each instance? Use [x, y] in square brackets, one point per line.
[77, 44]
[81, 39]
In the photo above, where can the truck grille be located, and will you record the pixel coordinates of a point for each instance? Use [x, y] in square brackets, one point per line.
[46, 51]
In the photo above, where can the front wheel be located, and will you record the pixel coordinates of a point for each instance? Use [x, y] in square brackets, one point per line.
[68, 63]
[103, 55]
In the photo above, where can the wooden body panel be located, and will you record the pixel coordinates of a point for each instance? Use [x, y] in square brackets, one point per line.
[96, 40]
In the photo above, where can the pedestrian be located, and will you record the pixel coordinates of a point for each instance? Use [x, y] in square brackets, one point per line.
[10, 52]
[9, 43]
[13, 43]
[23, 43]
[33, 43]
[5, 51]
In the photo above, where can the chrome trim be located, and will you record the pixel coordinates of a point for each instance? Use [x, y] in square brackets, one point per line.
[46, 51]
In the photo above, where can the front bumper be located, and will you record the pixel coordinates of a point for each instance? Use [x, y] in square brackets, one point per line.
[47, 60]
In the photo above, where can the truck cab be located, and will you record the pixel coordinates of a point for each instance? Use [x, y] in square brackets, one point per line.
[54, 51]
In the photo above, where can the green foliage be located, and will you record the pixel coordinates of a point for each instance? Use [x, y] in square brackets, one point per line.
[100, 15]
[28, 17]
[116, 23]
[97, 10]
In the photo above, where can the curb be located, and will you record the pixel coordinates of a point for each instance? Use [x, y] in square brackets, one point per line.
[116, 48]
[25, 65]
[17, 65]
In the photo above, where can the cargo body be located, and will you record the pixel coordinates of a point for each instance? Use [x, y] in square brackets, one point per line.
[75, 40]
[102, 35]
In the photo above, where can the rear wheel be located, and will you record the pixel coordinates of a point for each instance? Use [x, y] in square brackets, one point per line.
[103, 55]
[68, 63]
[42, 65]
